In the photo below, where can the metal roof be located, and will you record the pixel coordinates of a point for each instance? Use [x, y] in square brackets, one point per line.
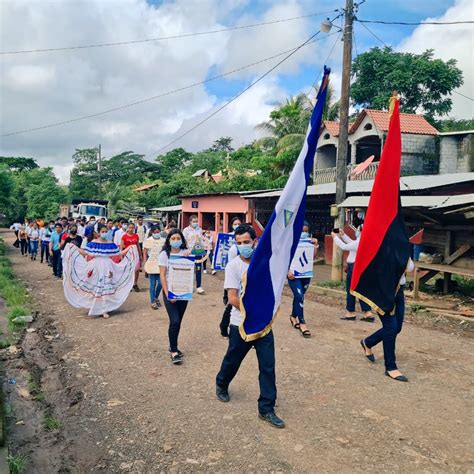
[407, 201]
[166, 208]
[457, 200]
[459, 132]
[407, 183]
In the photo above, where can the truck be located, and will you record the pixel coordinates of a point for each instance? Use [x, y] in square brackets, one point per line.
[85, 208]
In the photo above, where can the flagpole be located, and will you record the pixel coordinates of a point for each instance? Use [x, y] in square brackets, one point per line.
[341, 161]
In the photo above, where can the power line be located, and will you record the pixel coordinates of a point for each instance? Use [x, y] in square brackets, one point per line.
[187, 132]
[385, 44]
[162, 38]
[164, 94]
[382, 22]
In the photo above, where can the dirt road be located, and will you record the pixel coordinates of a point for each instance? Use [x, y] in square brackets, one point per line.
[125, 408]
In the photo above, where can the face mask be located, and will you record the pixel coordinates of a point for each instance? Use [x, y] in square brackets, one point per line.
[304, 235]
[360, 215]
[156, 236]
[103, 235]
[235, 226]
[51, 227]
[124, 227]
[246, 250]
[176, 244]
[92, 222]
[194, 225]
[73, 232]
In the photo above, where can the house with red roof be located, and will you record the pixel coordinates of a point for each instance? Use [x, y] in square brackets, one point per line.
[420, 153]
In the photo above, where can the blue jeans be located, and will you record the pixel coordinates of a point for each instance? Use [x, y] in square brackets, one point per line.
[33, 248]
[44, 251]
[350, 299]
[298, 287]
[236, 352]
[198, 275]
[391, 326]
[155, 286]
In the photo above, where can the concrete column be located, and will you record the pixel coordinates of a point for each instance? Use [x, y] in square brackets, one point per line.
[225, 224]
[217, 221]
[354, 153]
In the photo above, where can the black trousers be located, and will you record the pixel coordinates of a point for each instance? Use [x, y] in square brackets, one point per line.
[176, 312]
[24, 246]
[45, 251]
[57, 263]
[236, 352]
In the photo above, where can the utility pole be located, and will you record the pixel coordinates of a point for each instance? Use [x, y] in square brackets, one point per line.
[99, 169]
[341, 161]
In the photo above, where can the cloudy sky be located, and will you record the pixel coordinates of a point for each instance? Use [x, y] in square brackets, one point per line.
[44, 88]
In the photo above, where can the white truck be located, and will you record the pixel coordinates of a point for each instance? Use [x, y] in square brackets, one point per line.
[85, 208]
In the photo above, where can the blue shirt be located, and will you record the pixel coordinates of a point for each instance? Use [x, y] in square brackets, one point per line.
[110, 235]
[55, 240]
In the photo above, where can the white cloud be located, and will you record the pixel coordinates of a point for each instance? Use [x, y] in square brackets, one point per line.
[43, 88]
[451, 41]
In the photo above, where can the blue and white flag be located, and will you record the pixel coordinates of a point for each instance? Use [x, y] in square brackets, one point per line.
[268, 269]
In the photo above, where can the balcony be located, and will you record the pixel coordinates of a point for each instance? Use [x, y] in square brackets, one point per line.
[328, 175]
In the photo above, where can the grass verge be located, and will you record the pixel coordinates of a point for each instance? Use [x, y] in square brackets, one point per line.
[16, 463]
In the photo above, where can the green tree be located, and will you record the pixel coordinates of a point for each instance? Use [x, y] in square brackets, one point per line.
[18, 163]
[332, 106]
[424, 83]
[84, 181]
[128, 168]
[172, 162]
[7, 186]
[222, 144]
[454, 125]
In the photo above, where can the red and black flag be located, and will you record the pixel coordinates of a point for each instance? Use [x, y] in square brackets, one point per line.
[384, 249]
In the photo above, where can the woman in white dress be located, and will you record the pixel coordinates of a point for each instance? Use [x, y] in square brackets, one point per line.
[100, 276]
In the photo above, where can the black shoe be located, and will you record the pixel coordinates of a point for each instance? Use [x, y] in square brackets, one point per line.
[399, 378]
[176, 359]
[272, 419]
[348, 318]
[371, 357]
[222, 394]
[368, 319]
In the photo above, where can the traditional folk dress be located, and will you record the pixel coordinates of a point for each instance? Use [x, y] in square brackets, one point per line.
[100, 282]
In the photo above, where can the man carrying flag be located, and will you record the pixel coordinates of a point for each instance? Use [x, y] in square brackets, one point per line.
[384, 250]
[255, 280]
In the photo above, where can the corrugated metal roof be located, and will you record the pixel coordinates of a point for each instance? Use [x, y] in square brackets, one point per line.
[407, 183]
[407, 201]
[457, 200]
[166, 208]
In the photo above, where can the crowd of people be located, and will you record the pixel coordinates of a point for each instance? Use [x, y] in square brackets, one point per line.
[100, 262]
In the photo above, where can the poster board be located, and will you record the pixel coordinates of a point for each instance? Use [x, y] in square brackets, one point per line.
[180, 277]
[303, 260]
[224, 243]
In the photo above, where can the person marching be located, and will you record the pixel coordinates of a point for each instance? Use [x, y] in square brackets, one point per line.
[245, 238]
[128, 239]
[141, 229]
[344, 242]
[55, 250]
[195, 240]
[34, 241]
[225, 321]
[391, 327]
[45, 237]
[175, 244]
[71, 237]
[99, 277]
[299, 286]
[151, 251]
[23, 237]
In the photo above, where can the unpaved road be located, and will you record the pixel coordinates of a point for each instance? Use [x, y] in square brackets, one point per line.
[125, 408]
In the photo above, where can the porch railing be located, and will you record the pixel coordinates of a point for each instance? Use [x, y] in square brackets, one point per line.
[328, 175]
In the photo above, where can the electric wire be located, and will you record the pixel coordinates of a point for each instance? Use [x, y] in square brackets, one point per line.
[164, 94]
[162, 38]
[382, 22]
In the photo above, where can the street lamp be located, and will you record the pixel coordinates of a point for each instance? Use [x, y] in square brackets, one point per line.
[326, 26]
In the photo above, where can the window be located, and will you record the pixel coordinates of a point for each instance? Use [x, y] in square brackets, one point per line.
[327, 136]
[92, 210]
[368, 126]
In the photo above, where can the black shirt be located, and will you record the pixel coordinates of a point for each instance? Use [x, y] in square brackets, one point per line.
[76, 240]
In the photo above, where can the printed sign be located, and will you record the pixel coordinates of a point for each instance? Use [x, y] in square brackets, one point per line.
[180, 277]
[302, 264]
[223, 244]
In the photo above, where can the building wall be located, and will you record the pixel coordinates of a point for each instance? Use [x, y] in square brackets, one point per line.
[419, 155]
[457, 154]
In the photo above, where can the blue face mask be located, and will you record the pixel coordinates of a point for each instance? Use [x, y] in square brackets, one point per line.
[246, 250]
[156, 236]
[176, 244]
[235, 226]
[305, 235]
[194, 225]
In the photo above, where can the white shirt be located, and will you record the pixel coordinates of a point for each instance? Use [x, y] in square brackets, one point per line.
[163, 260]
[410, 268]
[141, 231]
[234, 272]
[118, 237]
[346, 243]
[16, 226]
[192, 236]
[34, 234]
[81, 230]
[28, 230]
[45, 234]
[232, 253]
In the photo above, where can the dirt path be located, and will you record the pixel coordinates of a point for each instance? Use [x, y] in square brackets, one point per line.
[125, 408]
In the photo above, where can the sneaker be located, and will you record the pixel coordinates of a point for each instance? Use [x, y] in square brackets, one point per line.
[200, 291]
[136, 289]
[176, 359]
[213, 272]
[204, 271]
